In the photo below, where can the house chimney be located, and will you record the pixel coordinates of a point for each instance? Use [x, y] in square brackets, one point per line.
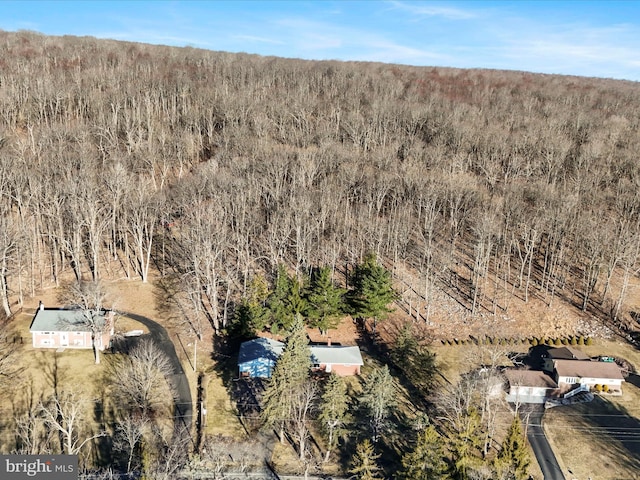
[328, 341]
[40, 305]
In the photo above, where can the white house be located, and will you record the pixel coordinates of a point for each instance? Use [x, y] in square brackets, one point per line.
[569, 373]
[529, 386]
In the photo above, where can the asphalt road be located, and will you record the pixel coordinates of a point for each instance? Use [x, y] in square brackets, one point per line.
[540, 446]
[183, 403]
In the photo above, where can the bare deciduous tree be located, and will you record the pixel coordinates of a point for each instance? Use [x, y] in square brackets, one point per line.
[129, 433]
[140, 380]
[91, 298]
[65, 413]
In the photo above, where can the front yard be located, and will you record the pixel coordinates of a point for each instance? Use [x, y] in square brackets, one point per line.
[600, 439]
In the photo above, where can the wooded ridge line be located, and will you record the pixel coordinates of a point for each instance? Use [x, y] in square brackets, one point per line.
[211, 166]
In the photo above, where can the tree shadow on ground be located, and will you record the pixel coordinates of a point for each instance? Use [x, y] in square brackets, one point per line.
[535, 357]
[246, 393]
[412, 402]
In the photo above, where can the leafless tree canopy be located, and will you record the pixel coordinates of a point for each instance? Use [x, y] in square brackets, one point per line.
[140, 380]
[210, 169]
[119, 157]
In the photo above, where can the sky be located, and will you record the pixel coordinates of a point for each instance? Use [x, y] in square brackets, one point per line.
[586, 38]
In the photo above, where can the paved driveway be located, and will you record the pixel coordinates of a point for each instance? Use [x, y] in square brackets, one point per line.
[184, 405]
[539, 444]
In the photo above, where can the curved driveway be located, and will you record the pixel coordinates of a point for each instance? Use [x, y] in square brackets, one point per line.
[183, 404]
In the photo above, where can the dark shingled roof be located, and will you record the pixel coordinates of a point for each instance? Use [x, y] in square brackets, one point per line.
[567, 353]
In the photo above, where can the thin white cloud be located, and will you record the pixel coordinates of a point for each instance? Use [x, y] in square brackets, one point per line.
[154, 37]
[390, 52]
[432, 10]
[312, 38]
[253, 38]
[574, 49]
[32, 26]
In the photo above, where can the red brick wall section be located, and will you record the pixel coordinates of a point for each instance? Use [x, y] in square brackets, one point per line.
[344, 370]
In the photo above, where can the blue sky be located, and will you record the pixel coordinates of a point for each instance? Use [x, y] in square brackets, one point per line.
[597, 38]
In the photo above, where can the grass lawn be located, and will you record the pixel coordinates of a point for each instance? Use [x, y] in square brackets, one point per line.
[454, 360]
[222, 416]
[600, 439]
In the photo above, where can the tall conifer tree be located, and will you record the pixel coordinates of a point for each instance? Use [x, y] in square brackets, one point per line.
[289, 375]
[514, 456]
[364, 463]
[378, 398]
[372, 290]
[426, 461]
[333, 411]
[325, 301]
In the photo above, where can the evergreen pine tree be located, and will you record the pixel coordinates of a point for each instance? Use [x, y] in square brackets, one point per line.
[252, 315]
[378, 398]
[285, 302]
[333, 411]
[363, 463]
[465, 442]
[514, 456]
[426, 461]
[415, 360]
[291, 371]
[325, 302]
[372, 290]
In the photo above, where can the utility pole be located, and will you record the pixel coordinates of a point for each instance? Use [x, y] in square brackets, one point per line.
[195, 351]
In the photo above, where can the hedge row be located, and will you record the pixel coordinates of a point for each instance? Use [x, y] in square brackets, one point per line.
[534, 341]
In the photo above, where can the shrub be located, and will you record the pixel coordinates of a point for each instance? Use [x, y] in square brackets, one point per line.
[588, 341]
[574, 341]
[598, 387]
[534, 342]
[557, 342]
[605, 388]
[581, 340]
[565, 341]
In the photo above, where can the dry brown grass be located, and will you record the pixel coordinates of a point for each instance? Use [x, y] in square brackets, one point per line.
[76, 369]
[222, 416]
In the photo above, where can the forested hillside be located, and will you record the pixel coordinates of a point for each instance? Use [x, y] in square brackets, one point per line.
[119, 158]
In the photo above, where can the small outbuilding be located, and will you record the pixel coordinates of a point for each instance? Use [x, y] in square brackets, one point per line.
[258, 357]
